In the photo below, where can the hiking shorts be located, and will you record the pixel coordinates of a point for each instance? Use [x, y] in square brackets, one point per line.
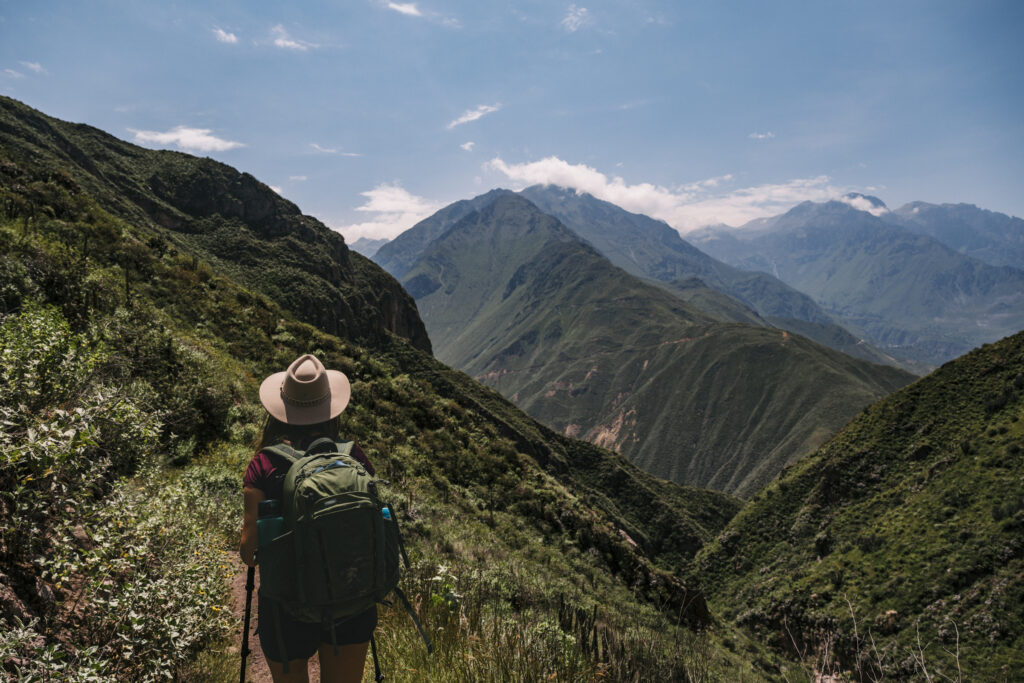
[301, 639]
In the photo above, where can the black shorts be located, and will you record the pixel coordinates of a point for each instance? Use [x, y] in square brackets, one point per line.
[302, 639]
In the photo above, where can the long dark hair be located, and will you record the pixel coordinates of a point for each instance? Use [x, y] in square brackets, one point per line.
[298, 436]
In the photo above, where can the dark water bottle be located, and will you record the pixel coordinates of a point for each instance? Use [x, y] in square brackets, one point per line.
[270, 524]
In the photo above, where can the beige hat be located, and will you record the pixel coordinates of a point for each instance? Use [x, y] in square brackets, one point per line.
[305, 393]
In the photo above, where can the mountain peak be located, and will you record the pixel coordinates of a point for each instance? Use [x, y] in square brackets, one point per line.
[864, 202]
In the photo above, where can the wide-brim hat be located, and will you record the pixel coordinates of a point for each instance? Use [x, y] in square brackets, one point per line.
[306, 393]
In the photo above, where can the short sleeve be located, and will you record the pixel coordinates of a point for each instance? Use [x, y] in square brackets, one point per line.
[257, 472]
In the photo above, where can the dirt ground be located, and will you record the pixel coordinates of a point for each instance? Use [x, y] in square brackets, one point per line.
[256, 670]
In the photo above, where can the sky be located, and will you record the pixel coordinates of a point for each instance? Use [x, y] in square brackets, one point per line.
[373, 114]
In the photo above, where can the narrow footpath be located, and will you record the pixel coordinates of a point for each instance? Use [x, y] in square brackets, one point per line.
[256, 670]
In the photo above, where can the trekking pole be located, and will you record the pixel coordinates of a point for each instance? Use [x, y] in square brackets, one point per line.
[250, 583]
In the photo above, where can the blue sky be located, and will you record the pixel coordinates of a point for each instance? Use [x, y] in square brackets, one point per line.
[371, 114]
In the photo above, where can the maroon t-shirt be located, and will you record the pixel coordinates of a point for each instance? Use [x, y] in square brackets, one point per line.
[266, 472]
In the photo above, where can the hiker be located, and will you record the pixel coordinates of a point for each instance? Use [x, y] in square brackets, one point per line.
[303, 404]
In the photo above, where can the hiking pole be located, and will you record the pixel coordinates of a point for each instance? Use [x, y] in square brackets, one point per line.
[250, 583]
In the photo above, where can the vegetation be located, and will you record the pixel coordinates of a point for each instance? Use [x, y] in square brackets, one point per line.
[134, 362]
[521, 303]
[898, 540]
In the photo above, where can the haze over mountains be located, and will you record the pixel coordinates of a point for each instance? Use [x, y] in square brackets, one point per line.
[518, 300]
[906, 292]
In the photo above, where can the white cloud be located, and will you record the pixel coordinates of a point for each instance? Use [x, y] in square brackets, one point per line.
[576, 18]
[34, 66]
[183, 137]
[468, 146]
[474, 114]
[224, 36]
[14, 74]
[332, 150]
[298, 178]
[408, 8]
[762, 136]
[862, 203]
[686, 207]
[285, 41]
[275, 188]
[396, 211]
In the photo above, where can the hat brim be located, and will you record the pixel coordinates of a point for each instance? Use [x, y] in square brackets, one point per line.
[270, 397]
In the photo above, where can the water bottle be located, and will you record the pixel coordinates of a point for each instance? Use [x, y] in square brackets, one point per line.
[270, 524]
[386, 513]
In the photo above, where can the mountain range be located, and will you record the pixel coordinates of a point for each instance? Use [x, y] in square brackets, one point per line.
[133, 348]
[906, 292]
[995, 238]
[515, 298]
[112, 246]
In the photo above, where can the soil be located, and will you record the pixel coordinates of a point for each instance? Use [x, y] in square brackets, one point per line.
[256, 670]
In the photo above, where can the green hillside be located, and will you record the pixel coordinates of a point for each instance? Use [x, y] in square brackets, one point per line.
[651, 249]
[518, 301]
[906, 292]
[131, 359]
[900, 538]
[229, 219]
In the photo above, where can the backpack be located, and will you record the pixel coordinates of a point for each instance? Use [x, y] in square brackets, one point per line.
[339, 551]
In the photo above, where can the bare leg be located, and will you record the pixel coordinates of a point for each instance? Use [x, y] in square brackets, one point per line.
[298, 671]
[344, 667]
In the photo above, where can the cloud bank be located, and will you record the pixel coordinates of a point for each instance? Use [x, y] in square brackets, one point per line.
[474, 114]
[396, 211]
[184, 138]
[686, 207]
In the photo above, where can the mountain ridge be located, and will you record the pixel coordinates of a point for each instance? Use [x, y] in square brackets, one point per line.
[519, 301]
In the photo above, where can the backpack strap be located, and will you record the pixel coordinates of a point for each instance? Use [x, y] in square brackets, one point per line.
[284, 451]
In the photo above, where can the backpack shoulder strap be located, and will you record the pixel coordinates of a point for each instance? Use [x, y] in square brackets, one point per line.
[284, 451]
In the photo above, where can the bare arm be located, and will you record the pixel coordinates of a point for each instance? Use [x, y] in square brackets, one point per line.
[251, 498]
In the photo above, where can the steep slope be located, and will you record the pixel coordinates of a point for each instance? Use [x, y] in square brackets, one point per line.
[908, 293]
[995, 238]
[519, 520]
[520, 302]
[651, 249]
[911, 517]
[399, 255]
[208, 209]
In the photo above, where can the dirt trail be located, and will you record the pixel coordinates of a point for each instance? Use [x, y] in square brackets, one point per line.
[256, 670]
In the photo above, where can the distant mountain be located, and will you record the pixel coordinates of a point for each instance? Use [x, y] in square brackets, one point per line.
[519, 301]
[906, 292]
[910, 519]
[367, 247]
[651, 249]
[994, 238]
[398, 255]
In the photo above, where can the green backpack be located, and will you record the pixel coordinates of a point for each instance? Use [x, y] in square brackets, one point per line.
[339, 551]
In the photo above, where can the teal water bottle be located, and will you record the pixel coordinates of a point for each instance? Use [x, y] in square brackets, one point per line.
[385, 512]
[270, 524]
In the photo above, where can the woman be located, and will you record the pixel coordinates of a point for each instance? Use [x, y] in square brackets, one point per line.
[303, 404]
